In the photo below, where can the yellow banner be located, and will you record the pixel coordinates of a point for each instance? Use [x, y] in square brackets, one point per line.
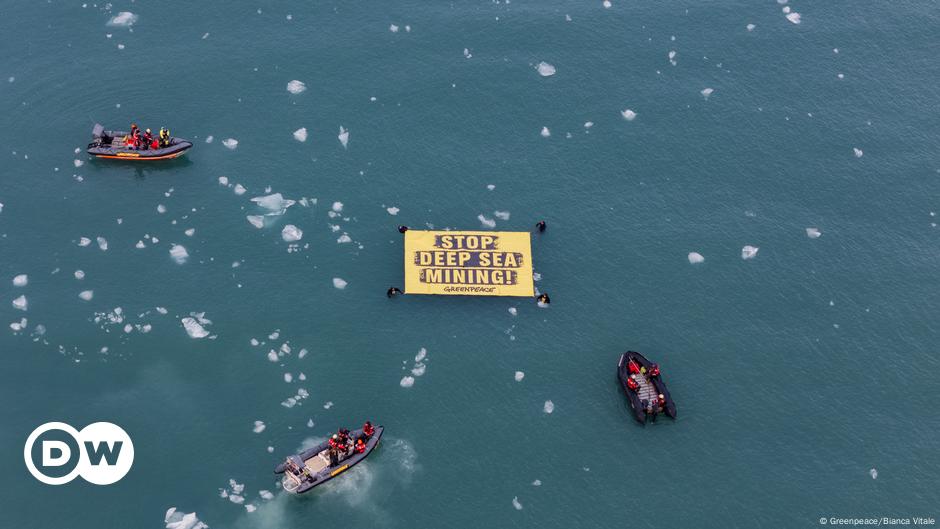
[468, 263]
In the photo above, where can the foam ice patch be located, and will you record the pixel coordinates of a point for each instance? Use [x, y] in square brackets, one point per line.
[86, 295]
[20, 303]
[230, 143]
[301, 134]
[343, 136]
[124, 19]
[179, 254]
[291, 233]
[628, 114]
[339, 283]
[549, 406]
[749, 252]
[20, 280]
[545, 69]
[695, 258]
[296, 87]
[487, 223]
[813, 233]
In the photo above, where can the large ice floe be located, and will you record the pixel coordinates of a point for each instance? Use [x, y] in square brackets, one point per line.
[195, 325]
[291, 233]
[124, 19]
[178, 520]
[20, 280]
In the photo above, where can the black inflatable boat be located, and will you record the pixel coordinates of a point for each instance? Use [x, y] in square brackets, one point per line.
[645, 399]
[110, 144]
[312, 467]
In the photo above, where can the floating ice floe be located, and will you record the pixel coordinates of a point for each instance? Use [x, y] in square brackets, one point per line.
[190, 232]
[20, 303]
[695, 258]
[195, 325]
[407, 382]
[339, 283]
[628, 114]
[487, 223]
[344, 239]
[343, 136]
[301, 134]
[519, 376]
[549, 406]
[179, 254]
[239, 189]
[545, 132]
[490, 187]
[545, 69]
[256, 220]
[392, 210]
[259, 427]
[124, 19]
[18, 326]
[178, 520]
[606, 4]
[79, 274]
[274, 203]
[20, 280]
[337, 207]
[501, 215]
[296, 87]
[707, 92]
[858, 152]
[393, 28]
[161, 209]
[749, 252]
[223, 180]
[793, 17]
[230, 143]
[873, 473]
[516, 504]
[750, 27]
[86, 295]
[102, 243]
[291, 233]
[513, 311]
[813, 233]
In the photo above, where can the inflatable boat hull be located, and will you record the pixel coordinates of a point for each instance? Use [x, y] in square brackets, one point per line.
[623, 373]
[329, 473]
[110, 145]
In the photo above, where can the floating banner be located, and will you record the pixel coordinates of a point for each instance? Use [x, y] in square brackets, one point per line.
[468, 263]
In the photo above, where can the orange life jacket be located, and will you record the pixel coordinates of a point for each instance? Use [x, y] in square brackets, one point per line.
[632, 384]
[360, 447]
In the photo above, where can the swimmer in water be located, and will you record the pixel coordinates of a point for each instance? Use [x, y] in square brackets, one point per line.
[393, 291]
[402, 228]
[543, 298]
[540, 225]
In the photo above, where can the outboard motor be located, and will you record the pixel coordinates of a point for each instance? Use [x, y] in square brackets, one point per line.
[98, 135]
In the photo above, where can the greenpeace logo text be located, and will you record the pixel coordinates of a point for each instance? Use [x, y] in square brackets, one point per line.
[101, 453]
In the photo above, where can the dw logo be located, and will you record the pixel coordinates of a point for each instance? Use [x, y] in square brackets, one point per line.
[101, 453]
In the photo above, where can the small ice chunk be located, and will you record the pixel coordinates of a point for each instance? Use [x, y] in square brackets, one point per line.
[288, 378]
[339, 283]
[407, 382]
[190, 232]
[628, 114]
[230, 143]
[194, 328]
[858, 152]
[161, 209]
[392, 210]
[695, 258]
[20, 303]
[265, 495]
[419, 369]
[249, 507]
[256, 220]
[79, 274]
[467, 54]
[873, 473]
[513, 311]
[794, 17]
[813, 233]
[501, 215]
[84, 241]
[337, 207]
[179, 254]
[161, 310]
[327, 405]
[393, 28]
[545, 132]
[124, 19]
[78, 163]
[516, 504]
[209, 138]
[588, 124]
[301, 134]
[607, 4]
[239, 189]
[291, 233]
[750, 27]
[102, 243]
[749, 252]
[707, 92]
[223, 180]
[274, 202]
[343, 136]
[86, 294]
[259, 427]
[422, 354]
[20, 280]
[519, 376]
[344, 239]
[537, 483]
[490, 187]
[296, 87]
[487, 223]
[545, 69]
[549, 406]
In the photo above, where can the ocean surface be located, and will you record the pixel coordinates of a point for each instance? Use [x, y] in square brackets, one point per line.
[805, 376]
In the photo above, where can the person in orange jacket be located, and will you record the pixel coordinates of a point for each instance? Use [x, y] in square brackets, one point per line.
[368, 430]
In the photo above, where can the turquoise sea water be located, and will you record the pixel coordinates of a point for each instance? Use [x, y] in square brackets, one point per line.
[796, 373]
